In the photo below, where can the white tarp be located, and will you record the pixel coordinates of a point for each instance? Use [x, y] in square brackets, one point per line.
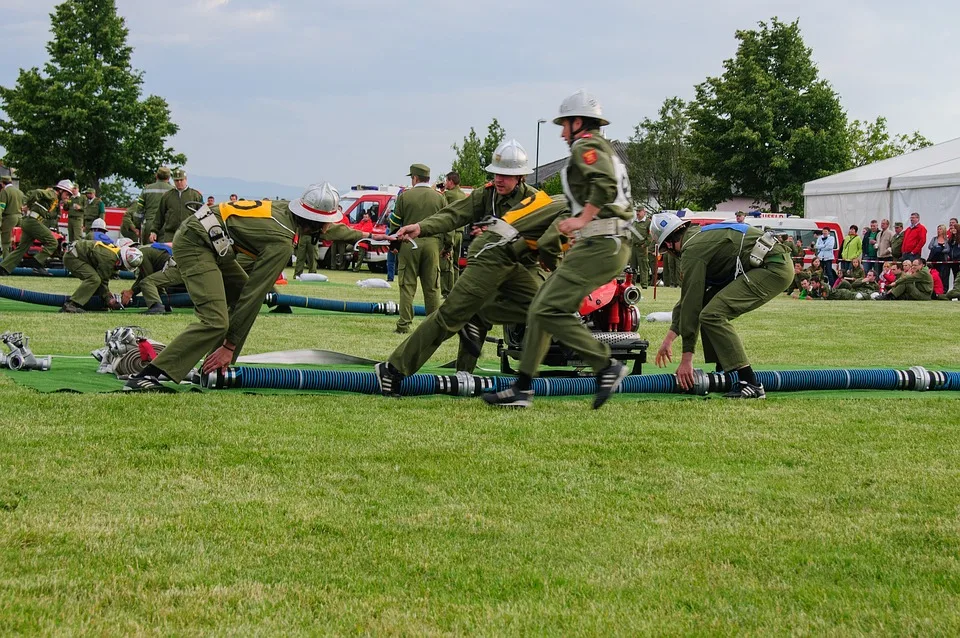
[926, 181]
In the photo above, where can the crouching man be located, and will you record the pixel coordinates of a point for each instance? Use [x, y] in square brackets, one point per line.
[95, 263]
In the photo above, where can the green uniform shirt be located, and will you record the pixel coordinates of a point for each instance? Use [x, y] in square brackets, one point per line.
[102, 257]
[710, 259]
[11, 200]
[896, 246]
[76, 206]
[154, 259]
[592, 177]
[173, 210]
[416, 204]
[129, 227]
[482, 202]
[39, 201]
[452, 195]
[92, 209]
[341, 232]
[640, 238]
[149, 202]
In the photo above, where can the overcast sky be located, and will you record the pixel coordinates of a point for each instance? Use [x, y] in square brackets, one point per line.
[353, 91]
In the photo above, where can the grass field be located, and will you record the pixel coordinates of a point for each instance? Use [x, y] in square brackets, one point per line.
[335, 514]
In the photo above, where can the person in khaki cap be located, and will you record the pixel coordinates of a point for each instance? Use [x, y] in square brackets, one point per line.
[423, 262]
[176, 205]
[149, 201]
[41, 205]
[11, 204]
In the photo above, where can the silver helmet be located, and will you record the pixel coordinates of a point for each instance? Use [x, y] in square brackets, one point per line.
[509, 159]
[318, 203]
[131, 257]
[65, 185]
[663, 225]
[98, 224]
[581, 104]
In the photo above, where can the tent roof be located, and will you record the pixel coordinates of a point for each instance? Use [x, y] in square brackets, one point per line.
[937, 165]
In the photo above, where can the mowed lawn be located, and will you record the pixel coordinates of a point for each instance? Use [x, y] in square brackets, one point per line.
[340, 513]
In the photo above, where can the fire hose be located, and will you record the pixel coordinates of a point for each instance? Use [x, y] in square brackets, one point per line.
[63, 272]
[180, 300]
[464, 384]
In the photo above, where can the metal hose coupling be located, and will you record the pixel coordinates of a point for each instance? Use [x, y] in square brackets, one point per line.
[20, 356]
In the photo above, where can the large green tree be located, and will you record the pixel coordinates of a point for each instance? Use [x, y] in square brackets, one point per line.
[661, 159]
[83, 116]
[474, 154]
[769, 123]
[871, 142]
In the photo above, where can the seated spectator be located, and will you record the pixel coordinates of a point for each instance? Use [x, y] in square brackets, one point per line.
[916, 284]
[816, 270]
[855, 271]
[889, 274]
[937, 281]
[813, 289]
[799, 276]
[857, 289]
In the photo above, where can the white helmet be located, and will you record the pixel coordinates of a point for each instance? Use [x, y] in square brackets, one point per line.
[663, 225]
[123, 242]
[65, 185]
[580, 104]
[98, 224]
[131, 257]
[509, 159]
[318, 203]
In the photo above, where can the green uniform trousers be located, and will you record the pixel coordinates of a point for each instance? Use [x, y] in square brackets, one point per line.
[907, 291]
[75, 228]
[152, 284]
[640, 264]
[306, 257]
[31, 229]
[423, 264]
[495, 287]
[721, 344]
[671, 270]
[90, 282]
[10, 221]
[214, 287]
[588, 265]
[449, 266]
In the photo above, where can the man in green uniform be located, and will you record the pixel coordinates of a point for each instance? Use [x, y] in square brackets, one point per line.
[452, 241]
[640, 245]
[41, 205]
[896, 244]
[799, 276]
[916, 285]
[727, 269]
[156, 272]
[227, 300]
[501, 281]
[11, 205]
[176, 205]
[129, 227]
[598, 192]
[150, 202]
[75, 215]
[94, 263]
[93, 208]
[306, 256]
[423, 263]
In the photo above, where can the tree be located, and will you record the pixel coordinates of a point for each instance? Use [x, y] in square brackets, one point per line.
[474, 154]
[83, 116]
[871, 142]
[552, 185]
[769, 124]
[661, 160]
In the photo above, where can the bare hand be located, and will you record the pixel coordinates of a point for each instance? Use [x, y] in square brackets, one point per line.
[477, 230]
[571, 225]
[665, 353]
[153, 237]
[219, 359]
[685, 371]
[126, 297]
[408, 232]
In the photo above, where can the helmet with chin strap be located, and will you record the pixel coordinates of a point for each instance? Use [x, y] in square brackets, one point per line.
[581, 104]
[318, 203]
[663, 225]
[509, 159]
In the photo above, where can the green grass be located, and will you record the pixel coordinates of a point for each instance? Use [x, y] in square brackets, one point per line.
[342, 514]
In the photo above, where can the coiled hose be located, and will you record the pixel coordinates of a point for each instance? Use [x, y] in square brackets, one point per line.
[179, 300]
[464, 384]
[63, 272]
[361, 307]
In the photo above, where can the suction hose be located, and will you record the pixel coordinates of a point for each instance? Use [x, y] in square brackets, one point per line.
[180, 300]
[361, 307]
[464, 384]
[63, 272]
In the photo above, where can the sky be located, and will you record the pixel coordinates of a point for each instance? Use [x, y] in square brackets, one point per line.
[354, 91]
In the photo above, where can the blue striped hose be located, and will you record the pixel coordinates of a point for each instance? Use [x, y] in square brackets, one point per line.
[179, 300]
[463, 384]
[63, 272]
[334, 305]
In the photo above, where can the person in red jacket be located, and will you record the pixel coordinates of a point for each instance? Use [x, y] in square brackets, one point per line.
[365, 225]
[914, 238]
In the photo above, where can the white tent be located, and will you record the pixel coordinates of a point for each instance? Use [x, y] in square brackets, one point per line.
[926, 181]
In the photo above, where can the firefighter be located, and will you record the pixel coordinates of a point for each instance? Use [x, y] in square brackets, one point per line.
[41, 205]
[227, 300]
[11, 205]
[640, 244]
[598, 191]
[502, 280]
[453, 241]
[176, 205]
[149, 201]
[75, 214]
[95, 263]
[726, 269]
[93, 208]
[156, 272]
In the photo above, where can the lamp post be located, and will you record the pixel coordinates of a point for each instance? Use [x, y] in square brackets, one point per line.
[536, 170]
